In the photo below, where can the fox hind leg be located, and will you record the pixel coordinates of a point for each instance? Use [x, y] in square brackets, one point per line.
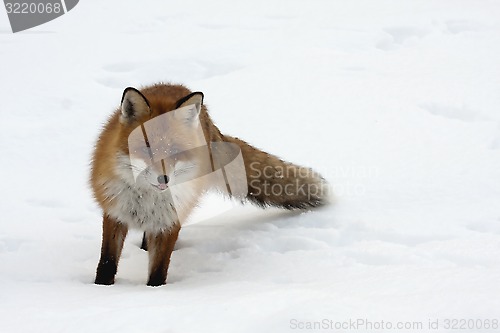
[144, 244]
[113, 236]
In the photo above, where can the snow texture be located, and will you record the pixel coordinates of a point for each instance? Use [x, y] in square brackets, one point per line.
[395, 102]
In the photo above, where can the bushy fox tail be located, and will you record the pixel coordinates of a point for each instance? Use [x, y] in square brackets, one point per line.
[274, 182]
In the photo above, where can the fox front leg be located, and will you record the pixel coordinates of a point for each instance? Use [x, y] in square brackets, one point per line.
[113, 236]
[160, 247]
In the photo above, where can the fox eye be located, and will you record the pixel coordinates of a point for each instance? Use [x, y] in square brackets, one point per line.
[146, 150]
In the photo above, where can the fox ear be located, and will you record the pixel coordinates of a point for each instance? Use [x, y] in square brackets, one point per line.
[195, 99]
[134, 104]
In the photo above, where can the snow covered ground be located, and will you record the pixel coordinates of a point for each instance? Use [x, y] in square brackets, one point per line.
[397, 103]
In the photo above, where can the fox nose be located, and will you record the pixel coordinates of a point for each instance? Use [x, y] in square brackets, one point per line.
[162, 179]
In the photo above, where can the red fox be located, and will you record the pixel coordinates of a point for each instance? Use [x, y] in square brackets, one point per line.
[136, 167]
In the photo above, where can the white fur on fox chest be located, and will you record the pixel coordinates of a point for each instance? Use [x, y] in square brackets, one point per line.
[149, 209]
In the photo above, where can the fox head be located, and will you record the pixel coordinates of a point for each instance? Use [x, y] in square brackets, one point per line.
[163, 143]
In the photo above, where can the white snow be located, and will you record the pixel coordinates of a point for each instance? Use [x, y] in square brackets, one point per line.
[395, 102]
